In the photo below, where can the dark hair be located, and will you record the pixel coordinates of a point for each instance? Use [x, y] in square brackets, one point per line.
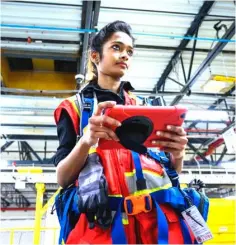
[98, 40]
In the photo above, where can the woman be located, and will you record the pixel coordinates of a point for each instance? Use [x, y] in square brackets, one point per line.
[110, 58]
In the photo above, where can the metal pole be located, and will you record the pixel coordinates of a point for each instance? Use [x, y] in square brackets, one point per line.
[88, 17]
[40, 187]
[182, 65]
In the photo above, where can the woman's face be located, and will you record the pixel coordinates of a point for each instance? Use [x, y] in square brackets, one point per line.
[117, 55]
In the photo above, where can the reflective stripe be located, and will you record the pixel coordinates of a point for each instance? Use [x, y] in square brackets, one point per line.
[72, 100]
[125, 219]
[117, 195]
[131, 174]
[153, 180]
[148, 191]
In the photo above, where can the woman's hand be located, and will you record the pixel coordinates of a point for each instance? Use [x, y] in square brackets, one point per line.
[96, 129]
[176, 145]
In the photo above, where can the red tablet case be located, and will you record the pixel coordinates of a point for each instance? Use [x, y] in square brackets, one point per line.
[161, 116]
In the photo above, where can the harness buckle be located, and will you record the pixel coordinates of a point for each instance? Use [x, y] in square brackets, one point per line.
[136, 204]
[87, 106]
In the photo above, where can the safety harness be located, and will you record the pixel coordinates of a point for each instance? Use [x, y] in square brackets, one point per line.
[177, 198]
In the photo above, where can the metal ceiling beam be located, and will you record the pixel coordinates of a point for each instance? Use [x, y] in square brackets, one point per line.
[210, 57]
[217, 102]
[85, 24]
[6, 145]
[167, 12]
[183, 44]
[33, 152]
[198, 153]
[90, 14]
[166, 93]
[202, 50]
[73, 57]
[211, 141]
[96, 8]
[214, 105]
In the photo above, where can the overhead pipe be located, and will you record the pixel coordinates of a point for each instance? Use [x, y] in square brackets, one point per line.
[79, 30]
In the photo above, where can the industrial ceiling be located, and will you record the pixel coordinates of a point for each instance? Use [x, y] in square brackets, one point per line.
[184, 53]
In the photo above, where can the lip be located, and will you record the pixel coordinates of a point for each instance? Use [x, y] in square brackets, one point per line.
[124, 65]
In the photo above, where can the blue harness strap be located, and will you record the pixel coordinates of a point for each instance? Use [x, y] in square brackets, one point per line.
[141, 185]
[173, 196]
[64, 223]
[162, 224]
[86, 113]
[117, 230]
[141, 181]
[171, 172]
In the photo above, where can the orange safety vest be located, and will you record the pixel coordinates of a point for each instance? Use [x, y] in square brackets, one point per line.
[119, 170]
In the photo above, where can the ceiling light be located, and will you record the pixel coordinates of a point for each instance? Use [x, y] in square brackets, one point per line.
[218, 84]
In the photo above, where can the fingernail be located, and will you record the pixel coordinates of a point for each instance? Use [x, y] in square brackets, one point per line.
[158, 133]
[154, 142]
[169, 127]
[119, 124]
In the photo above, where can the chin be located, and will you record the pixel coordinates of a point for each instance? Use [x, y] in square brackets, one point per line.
[119, 74]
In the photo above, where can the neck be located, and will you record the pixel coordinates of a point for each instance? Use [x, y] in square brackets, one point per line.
[108, 82]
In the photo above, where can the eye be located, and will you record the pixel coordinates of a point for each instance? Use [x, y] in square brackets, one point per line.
[116, 47]
[130, 52]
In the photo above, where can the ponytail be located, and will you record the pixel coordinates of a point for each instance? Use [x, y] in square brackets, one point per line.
[92, 73]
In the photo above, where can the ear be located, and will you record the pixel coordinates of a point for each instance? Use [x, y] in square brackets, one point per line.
[95, 57]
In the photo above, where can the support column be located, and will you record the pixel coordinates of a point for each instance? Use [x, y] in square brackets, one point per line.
[40, 187]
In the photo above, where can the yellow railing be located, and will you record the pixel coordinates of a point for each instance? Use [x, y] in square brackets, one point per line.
[221, 220]
[29, 229]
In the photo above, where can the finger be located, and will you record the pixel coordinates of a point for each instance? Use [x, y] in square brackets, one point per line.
[176, 154]
[109, 132]
[103, 135]
[91, 219]
[106, 220]
[104, 120]
[173, 137]
[176, 129]
[91, 205]
[81, 204]
[103, 105]
[168, 144]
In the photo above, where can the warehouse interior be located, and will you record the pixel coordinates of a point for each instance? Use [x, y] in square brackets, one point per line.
[184, 55]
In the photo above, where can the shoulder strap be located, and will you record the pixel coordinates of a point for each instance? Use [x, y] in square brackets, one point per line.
[86, 106]
[171, 172]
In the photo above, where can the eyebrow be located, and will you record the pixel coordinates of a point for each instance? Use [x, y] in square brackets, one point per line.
[122, 44]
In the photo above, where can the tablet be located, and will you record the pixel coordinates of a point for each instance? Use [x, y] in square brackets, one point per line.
[140, 124]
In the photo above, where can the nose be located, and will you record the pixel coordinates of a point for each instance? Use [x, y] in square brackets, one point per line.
[124, 55]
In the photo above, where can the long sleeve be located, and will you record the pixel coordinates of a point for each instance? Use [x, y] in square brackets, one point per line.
[67, 137]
